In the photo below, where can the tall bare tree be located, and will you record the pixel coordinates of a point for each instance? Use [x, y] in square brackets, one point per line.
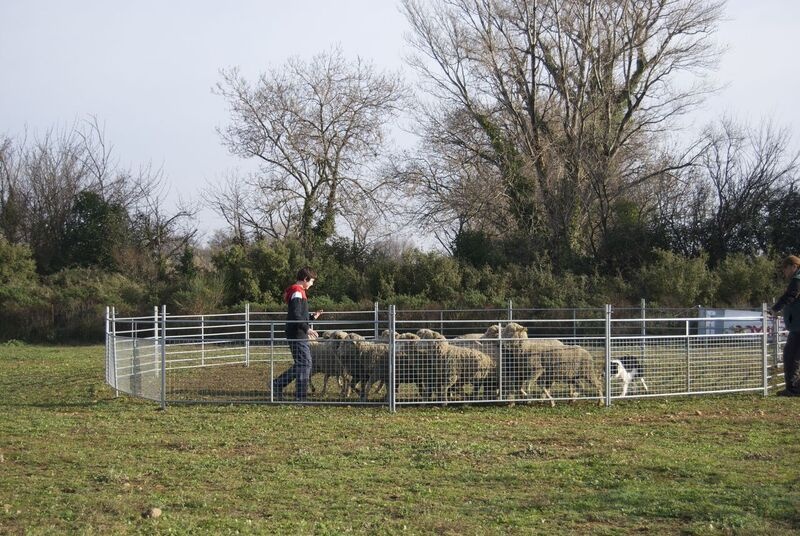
[41, 181]
[316, 127]
[453, 180]
[737, 177]
[569, 94]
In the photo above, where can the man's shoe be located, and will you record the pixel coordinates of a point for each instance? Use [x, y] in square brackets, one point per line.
[786, 392]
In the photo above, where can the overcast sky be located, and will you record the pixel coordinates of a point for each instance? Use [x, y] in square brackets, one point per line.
[145, 69]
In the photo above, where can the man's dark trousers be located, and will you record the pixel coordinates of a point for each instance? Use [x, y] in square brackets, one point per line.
[300, 370]
[791, 363]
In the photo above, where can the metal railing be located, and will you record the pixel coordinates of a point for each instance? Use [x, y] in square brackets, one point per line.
[443, 357]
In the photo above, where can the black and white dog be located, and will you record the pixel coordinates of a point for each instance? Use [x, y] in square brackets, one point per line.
[628, 369]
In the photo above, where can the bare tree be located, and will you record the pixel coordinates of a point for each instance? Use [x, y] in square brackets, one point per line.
[316, 127]
[11, 201]
[453, 179]
[41, 180]
[735, 179]
[159, 237]
[567, 92]
[239, 202]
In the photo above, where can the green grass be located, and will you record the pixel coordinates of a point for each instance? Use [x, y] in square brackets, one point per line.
[77, 460]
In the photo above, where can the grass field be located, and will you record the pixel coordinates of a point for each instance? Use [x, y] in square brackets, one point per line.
[74, 459]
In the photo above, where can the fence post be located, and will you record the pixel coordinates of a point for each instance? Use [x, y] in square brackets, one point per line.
[643, 305]
[108, 353]
[376, 319]
[135, 384]
[764, 341]
[500, 360]
[776, 329]
[392, 386]
[156, 339]
[114, 347]
[510, 311]
[202, 340]
[271, 360]
[688, 360]
[608, 355]
[247, 334]
[574, 324]
[163, 357]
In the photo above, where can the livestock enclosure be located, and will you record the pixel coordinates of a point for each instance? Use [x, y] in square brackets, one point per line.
[445, 356]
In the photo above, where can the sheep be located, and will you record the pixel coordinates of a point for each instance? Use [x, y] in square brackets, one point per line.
[471, 336]
[370, 363]
[325, 358]
[519, 357]
[361, 359]
[468, 340]
[452, 366]
[572, 365]
[512, 330]
[405, 363]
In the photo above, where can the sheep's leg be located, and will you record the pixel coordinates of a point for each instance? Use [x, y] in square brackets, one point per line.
[537, 373]
[599, 387]
[324, 385]
[573, 391]
[379, 385]
[365, 387]
[549, 397]
[347, 385]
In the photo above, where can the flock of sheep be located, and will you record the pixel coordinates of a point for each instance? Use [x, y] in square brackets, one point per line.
[501, 361]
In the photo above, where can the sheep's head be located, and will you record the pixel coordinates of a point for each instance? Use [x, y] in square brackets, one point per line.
[492, 332]
[512, 330]
[385, 335]
[407, 336]
[428, 334]
[336, 335]
[431, 340]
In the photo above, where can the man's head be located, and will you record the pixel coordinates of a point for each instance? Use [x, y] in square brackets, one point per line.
[790, 265]
[306, 276]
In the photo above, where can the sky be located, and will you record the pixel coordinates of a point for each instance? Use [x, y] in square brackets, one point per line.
[145, 70]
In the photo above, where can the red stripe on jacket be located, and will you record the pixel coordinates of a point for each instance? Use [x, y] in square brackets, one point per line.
[287, 294]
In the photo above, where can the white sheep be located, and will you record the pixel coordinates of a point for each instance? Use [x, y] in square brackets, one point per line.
[572, 365]
[519, 357]
[325, 358]
[451, 366]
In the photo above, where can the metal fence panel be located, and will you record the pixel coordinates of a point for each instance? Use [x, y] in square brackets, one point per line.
[438, 357]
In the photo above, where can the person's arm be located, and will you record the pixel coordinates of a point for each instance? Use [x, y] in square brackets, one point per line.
[789, 297]
[296, 313]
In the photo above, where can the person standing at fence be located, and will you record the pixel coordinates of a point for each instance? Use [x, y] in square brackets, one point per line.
[298, 332]
[789, 303]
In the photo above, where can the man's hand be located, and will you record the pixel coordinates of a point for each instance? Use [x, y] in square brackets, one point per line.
[312, 334]
[317, 314]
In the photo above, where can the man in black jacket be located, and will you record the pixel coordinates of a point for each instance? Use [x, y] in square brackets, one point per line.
[789, 303]
[298, 332]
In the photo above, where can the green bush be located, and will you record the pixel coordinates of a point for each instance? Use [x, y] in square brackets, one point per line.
[201, 294]
[19, 283]
[673, 280]
[240, 280]
[746, 282]
[79, 299]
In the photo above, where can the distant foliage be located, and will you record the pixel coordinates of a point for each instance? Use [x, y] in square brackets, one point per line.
[672, 280]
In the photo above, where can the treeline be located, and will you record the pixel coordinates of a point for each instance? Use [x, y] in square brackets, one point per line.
[69, 305]
[550, 171]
